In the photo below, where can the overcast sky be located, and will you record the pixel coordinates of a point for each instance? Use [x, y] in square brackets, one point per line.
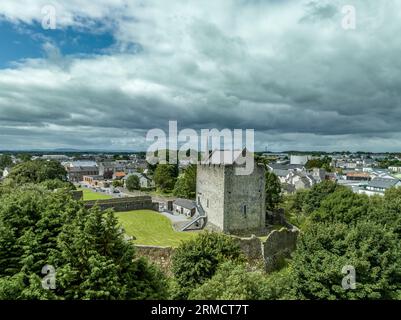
[113, 69]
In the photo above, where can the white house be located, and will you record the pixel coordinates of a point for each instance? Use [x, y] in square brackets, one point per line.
[6, 172]
[300, 160]
[395, 169]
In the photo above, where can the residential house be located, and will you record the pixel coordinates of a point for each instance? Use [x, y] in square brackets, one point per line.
[295, 176]
[144, 181]
[292, 167]
[281, 174]
[6, 172]
[395, 169]
[301, 181]
[119, 175]
[106, 169]
[319, 175]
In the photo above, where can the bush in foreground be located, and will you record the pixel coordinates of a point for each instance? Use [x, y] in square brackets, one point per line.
[197, 260]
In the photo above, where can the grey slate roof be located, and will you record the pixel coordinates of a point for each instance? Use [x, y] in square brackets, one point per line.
[277, 166]
[382, 183]
[280, 172]
[188, 204]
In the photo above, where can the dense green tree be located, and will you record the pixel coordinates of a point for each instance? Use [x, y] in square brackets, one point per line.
[24, 157]
[30, 221]
[324, 249]
[317, 194]
[279, 285]
[389, 162]
[132, 183]
[386, 210]
[185, 187]
[96, 262]
[165, 177]
[57, 184]
[5, 161]
[92, 259]
[323, 163]
[273, 190]
[24, 287]
[197, 260]
[232, 281]
[293, 207]
[343, 205]
[117, 183]
[37, 171]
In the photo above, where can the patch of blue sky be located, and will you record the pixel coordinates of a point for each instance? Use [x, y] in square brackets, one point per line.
[25, 41]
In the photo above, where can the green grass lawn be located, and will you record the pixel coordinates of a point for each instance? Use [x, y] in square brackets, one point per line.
[152, 228]
[92, 195]
[160, 193]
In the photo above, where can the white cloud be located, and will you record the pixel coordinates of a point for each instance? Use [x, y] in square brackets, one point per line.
[286, 69]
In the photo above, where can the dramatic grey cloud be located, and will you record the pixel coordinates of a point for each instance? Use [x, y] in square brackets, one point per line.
[284, 68]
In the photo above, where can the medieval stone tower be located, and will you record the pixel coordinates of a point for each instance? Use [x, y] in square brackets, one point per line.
[234, 204]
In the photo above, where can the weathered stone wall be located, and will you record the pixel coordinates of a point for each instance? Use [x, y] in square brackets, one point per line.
[124, 204]
[210, 193]
[244, 206]
[251, 247]
[271, 252]
[160, 256]
[77, 194]
[278, 247]
[233, 203]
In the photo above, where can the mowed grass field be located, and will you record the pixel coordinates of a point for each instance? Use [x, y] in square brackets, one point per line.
[92, 195]
[152, 228]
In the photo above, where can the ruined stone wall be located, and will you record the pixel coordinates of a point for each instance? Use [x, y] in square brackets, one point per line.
[77, 194]
[251, 247]
[244, 201]
[124, 204]
[160, 256]
[271, 253]
[278, 247]
[210, 192]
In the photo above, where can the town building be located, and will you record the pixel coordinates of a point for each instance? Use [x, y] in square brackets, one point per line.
[184, 207]
[299, 159]
[6, 172]
[358, 176]
[106, 169]
[55, 157]
[379, 185]
[395, 169]
[96, 181]
[78, 169]
[119, 175]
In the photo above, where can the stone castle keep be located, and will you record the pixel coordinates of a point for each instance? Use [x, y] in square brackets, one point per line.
[233, 204]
